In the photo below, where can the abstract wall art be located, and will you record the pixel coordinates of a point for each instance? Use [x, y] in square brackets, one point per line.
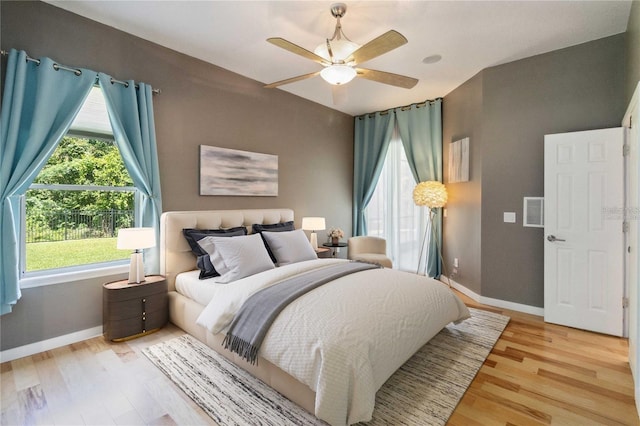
[226, 171]
[459, 161]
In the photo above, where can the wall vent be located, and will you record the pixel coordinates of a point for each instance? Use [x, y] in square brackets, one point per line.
[533, 212]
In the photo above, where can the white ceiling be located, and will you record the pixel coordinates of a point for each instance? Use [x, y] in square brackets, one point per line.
[469, 35]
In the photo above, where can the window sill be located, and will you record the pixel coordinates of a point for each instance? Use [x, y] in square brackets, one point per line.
[58, 277]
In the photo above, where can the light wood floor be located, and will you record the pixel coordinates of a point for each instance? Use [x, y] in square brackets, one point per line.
[537, 374]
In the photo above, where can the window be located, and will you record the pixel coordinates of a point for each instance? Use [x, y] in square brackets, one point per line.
[392, 214]
[84, 194]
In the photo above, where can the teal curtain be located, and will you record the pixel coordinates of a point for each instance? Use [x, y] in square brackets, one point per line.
[420, 129]
[371, 141]
[38, 106]
[131, 115]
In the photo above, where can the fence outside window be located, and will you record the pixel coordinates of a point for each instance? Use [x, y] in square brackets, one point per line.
[77, 224]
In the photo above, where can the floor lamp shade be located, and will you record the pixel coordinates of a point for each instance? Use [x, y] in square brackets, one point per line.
[313, 224]
[432, 194]
[136, 239]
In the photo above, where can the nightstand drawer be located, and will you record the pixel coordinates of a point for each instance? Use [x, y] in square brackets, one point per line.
[135, 307]
[122, 291]
[119, 329]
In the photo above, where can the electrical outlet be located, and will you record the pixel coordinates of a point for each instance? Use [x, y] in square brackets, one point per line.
[455, 262]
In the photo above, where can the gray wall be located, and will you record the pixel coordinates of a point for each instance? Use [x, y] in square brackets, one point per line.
[462, 117]
[633, 50]
[200, 104]
[577, 88]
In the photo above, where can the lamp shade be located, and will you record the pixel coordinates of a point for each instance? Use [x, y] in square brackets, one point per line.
[313, 223]
[432, 194]
[341, 49]
[136, 238]
[338, 74]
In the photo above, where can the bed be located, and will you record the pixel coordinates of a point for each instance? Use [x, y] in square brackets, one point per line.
[311, 366]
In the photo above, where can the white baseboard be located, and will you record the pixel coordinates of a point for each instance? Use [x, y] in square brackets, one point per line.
[78, 336]
[503, 304]
[45, 345]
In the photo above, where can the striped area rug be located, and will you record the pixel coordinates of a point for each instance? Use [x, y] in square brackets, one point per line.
[424, 391]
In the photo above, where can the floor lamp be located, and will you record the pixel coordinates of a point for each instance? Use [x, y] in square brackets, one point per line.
[433, 195]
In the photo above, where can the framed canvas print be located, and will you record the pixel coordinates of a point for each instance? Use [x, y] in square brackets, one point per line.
[226, 171]
[459, 161]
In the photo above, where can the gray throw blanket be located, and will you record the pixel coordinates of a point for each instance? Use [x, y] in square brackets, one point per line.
[254, 318]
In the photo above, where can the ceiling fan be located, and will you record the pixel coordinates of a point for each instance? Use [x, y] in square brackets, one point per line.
[339, 56]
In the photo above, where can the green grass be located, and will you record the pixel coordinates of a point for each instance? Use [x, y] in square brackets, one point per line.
[59, 254]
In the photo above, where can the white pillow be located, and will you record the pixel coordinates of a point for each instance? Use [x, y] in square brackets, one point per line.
[207, 245]
[289, 247]
[237, 257]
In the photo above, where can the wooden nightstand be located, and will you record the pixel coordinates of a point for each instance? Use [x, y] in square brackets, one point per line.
[323, 252]
[132, 310]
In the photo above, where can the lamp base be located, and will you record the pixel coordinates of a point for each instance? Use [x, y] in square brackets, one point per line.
[313, 239]
[136, 268]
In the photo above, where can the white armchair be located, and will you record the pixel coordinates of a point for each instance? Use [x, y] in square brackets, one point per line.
[369, 249]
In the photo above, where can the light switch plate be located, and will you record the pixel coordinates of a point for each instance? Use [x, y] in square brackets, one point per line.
[509, 217]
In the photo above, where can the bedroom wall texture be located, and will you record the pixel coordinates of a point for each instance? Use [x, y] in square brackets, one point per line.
[577, 88]
[200, 104]
[462, 117]
[633, 50]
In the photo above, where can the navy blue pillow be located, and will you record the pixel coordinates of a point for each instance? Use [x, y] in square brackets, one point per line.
[203, 261]
[276, 227]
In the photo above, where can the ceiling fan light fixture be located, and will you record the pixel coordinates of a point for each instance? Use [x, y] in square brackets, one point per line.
[341, 50]
[339, 56]
[338, 74]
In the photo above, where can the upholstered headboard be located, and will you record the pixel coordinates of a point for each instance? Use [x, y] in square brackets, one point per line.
[175, 253]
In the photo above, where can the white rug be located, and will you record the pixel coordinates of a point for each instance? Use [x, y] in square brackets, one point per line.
[424, 391]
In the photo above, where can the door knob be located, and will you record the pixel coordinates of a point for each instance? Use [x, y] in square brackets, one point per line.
[553, 239]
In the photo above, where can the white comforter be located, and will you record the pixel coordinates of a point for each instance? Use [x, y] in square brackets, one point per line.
[345, 338]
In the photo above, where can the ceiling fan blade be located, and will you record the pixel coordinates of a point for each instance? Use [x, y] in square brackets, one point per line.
[378, 46]
[291, 80]
[387, 78]
[294, 48]
[339, 94]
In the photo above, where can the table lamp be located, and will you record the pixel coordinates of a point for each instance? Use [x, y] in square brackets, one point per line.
[313, 224]
[136, 239]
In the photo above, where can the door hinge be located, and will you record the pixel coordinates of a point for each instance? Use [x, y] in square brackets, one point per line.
[625, 302]
[626, 149]
[625, 227]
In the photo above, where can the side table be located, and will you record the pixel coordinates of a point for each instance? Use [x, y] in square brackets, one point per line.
[335, 248]
[133, 310]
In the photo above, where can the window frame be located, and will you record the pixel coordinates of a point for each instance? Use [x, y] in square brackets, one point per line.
[78, 272]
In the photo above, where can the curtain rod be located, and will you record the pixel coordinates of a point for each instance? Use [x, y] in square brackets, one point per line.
[403, 108]
[78, 71]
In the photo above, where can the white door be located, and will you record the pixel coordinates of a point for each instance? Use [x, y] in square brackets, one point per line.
[584, 238]
[633, 214]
